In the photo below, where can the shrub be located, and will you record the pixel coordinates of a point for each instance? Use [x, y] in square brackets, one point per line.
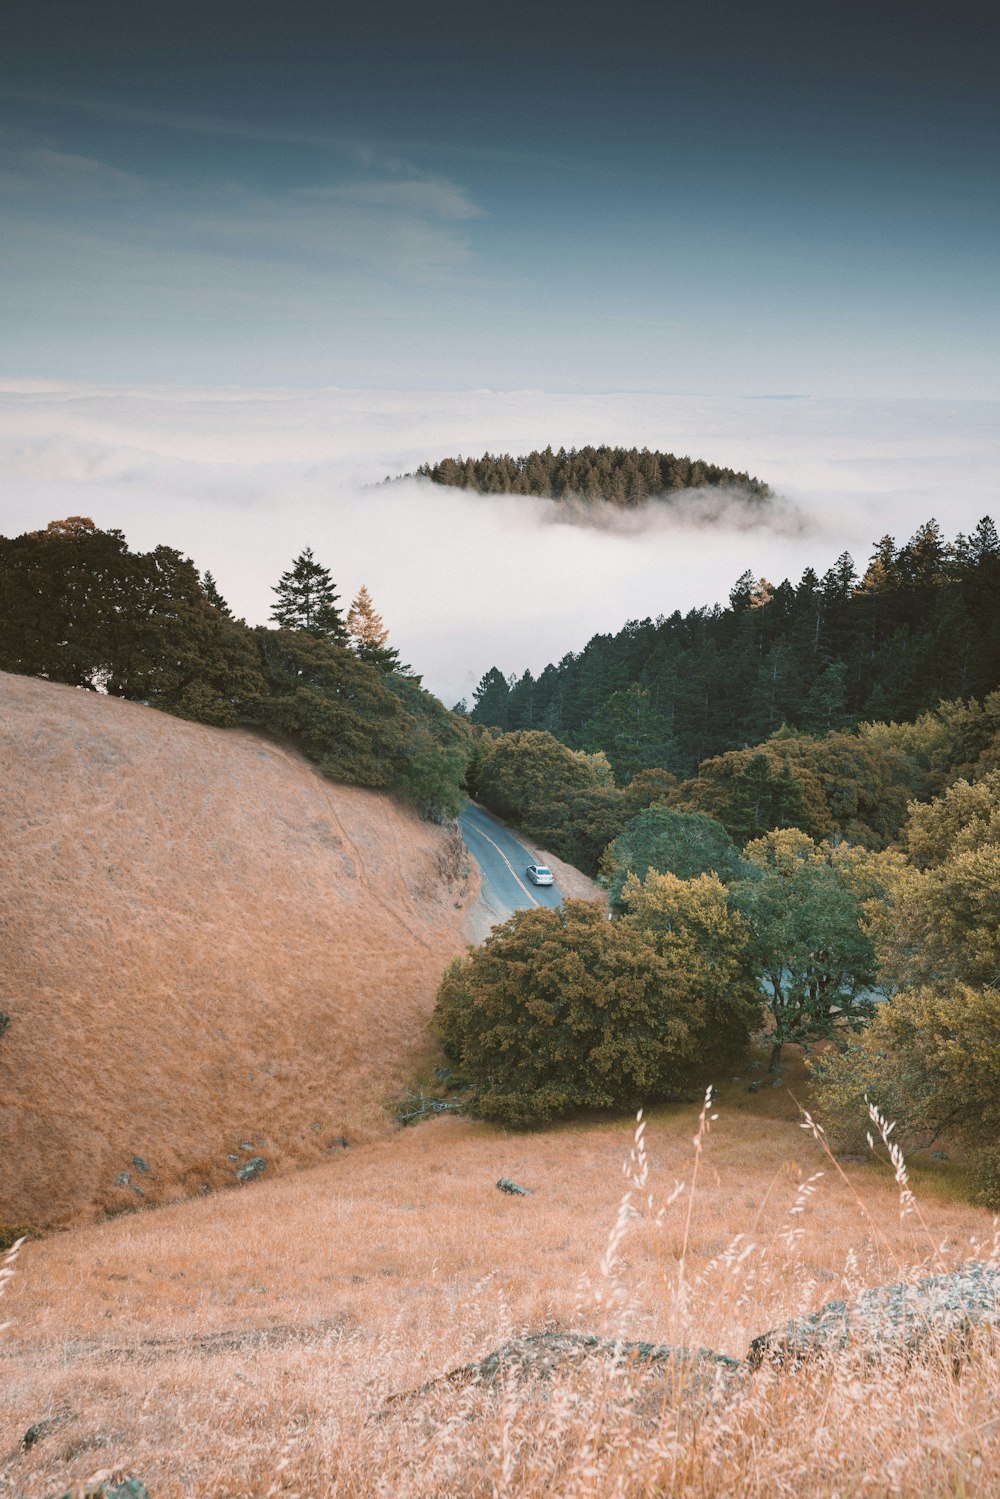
[691, 924]
[931, 1062]
[563, 1009]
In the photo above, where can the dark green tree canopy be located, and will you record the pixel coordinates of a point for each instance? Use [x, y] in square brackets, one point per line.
[523, 776]
[684, 844]
[211, 591]
[620, 476]
[809, 947]
[826, 654]
[562, 1009]
[79, 607]
[307, 600]
[631, 732]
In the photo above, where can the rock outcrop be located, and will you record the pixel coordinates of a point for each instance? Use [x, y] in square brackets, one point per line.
[900, 1320]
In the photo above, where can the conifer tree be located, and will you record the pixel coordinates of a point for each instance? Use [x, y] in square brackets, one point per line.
[307, 600]
[368, 634]
[210, 589]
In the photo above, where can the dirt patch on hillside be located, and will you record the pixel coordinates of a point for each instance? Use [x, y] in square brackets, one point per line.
[208, 952]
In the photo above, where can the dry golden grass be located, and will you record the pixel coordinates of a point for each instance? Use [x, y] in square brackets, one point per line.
[205, 942]
[247, 1344]
[202, 943]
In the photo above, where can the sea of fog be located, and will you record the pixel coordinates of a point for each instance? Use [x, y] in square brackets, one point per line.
[242, 479]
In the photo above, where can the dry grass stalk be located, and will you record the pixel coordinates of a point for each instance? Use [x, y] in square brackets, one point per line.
[243, 1345]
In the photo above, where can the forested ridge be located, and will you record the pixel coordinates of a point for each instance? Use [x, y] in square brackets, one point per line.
[78, 606]
[920, 625]
[619, 476]
[794, 806]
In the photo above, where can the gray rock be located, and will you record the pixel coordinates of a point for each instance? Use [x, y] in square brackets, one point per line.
[898, 1320]
[40, 1429]
[252, 1168]
[545, 1352]
[540, 1355]
[506, 1185]
[129, 1488]
[140, 1164]
[246, 1145]
[123, 1179]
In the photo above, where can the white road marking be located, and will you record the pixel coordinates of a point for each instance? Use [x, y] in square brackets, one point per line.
[509, 865]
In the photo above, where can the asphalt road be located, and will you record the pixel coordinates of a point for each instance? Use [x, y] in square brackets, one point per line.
[503, 861]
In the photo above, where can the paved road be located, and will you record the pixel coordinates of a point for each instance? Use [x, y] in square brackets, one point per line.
[503, 861]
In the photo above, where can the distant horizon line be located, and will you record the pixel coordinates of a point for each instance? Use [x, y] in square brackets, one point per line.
[18, 384]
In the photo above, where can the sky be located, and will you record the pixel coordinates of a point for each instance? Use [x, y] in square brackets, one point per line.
[255, 257]
[714, 197]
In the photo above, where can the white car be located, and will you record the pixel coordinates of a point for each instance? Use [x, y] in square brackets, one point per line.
[539, 875]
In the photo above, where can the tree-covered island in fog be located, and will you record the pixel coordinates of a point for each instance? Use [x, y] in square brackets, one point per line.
[619, 476]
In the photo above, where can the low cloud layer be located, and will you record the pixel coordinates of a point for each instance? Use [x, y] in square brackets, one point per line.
[242, 480]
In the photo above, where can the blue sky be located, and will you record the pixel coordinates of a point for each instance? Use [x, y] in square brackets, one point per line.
[726, 198]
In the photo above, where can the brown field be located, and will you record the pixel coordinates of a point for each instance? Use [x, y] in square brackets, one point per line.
[203, 945]
[248, 1343]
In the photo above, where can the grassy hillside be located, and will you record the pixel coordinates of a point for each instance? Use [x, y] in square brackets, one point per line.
[245, 1344]
[204, 945]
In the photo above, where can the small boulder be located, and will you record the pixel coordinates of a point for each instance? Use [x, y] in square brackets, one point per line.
[541, 1355]
[40, 1429]
[901, 1320]
[506, 1185]
[252, 1168]
[129, 1488]
[140, 1164]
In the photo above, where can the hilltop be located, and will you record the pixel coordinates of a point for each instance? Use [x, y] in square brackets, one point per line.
[205, 945]
[619, 476]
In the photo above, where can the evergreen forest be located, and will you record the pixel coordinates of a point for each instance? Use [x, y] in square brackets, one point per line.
[918, 626]
[618, 476]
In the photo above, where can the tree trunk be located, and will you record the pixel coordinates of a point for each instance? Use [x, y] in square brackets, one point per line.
[775, 1063]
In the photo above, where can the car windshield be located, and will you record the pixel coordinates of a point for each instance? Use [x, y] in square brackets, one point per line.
[540, 869]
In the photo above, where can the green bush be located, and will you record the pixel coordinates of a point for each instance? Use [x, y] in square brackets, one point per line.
[931, 1062]
[563, 1009]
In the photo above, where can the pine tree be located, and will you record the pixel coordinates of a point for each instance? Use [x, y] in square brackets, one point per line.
[210, 589]
[369, 635]
[490, 699]
[307, 600]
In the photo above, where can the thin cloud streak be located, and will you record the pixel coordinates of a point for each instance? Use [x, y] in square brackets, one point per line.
[242, 479]
[193, 122]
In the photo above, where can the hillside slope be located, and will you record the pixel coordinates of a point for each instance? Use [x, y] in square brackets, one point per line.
[204, 946]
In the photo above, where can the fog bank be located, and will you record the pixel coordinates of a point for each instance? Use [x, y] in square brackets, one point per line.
[241, 480]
